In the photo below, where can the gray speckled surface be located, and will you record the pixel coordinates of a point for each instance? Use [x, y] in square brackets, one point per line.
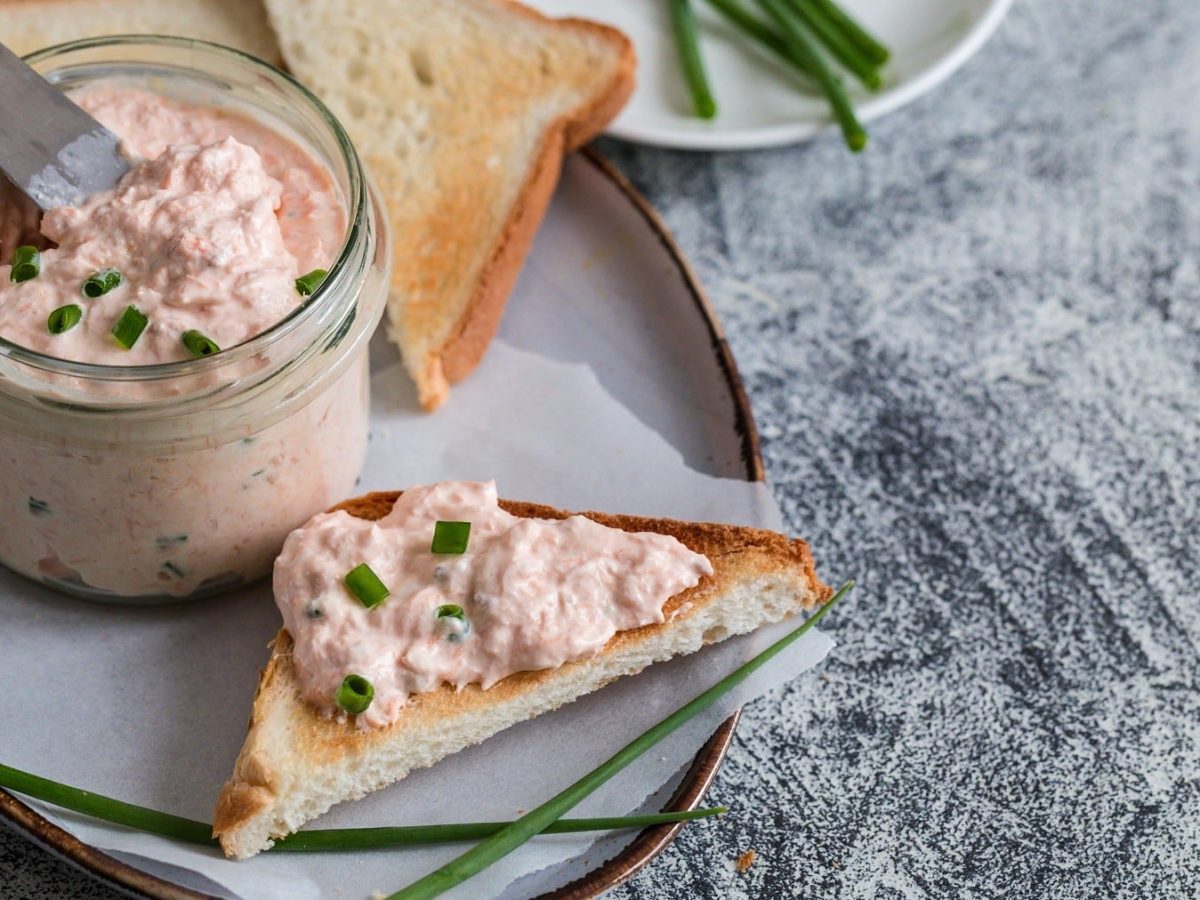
[974, 355]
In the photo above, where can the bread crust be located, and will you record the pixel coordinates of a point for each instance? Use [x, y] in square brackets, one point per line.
[464, 349]
[317, 739]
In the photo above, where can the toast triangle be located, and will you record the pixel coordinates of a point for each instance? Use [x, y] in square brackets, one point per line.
[296, 763]
[463, 111]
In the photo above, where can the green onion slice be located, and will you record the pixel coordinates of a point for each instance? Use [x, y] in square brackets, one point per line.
[129, 327]
[199, 344]
[64, 319]
[451, 611]
[354, 694]
[26, 264]
[450, 537]
[366, 586]
[306, 284]
[100, 283]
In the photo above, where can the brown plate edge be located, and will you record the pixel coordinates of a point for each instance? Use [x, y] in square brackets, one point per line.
[700, 775]
[707, 762]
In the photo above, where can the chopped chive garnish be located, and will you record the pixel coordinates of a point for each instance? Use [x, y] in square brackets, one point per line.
[129, 327]
[683, 21]
[306, 284]
[366, 586]
[167, 541]
[100, 283]
[450, 537]
[172, 569]
[199, 344]
[354, 694]
[454, 621]
[64, 319]
[535, 822]
[151, 821]
[39, 507]
[26, 264]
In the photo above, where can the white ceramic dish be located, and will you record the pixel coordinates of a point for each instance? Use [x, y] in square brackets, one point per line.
[759, 103]
[604, 286]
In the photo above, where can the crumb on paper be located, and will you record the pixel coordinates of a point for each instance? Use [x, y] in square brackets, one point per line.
[378, 895]
[746, 860]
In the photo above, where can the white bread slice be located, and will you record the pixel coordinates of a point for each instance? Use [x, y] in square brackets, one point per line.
[463, 110]
[296, 763]
[28, 25]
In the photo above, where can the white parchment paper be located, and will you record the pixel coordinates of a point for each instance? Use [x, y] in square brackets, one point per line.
[150, 705]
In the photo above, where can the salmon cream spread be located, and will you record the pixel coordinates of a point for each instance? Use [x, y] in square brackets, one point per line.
[527, 594]
[209, 232]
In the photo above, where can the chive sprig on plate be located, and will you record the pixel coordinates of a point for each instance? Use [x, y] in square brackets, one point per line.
[815, 37]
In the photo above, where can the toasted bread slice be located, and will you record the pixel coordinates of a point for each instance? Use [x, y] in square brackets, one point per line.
[296, 762]
[28, 25]
[463, 110]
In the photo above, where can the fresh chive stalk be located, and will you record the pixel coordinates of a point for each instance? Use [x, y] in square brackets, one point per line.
[129, 327]
[26, 264]
[307, 284]
[802, 44]
[859, 36]
[64, 318]
[532, 823]
[118, 812]
[100, 283]
[838, 44]
[683, 21]
[755, 28]
[199, 344]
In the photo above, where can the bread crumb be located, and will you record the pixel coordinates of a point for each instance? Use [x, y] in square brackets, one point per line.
[745, 861]
[378, 895]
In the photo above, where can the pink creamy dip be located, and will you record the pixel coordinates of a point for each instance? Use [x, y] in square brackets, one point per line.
[537, 593]
[209, 232]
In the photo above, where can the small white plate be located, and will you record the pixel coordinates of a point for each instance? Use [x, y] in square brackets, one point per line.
[760, 102]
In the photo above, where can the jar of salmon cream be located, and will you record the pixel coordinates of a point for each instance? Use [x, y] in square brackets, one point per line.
[183, 359]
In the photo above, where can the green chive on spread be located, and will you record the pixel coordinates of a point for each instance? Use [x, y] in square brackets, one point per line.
[199, 344]
[306, 284]
[453, 621]
[64, 319]
[39, 507]
[171, 569]
[354, 694]
[450, 537]
[26, 264]
[129, 327]
[100, 283]
[366, 586]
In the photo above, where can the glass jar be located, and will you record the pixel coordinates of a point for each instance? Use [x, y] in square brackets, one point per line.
[142, 484]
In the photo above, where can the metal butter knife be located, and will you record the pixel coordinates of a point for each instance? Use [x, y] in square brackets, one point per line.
[50, 148]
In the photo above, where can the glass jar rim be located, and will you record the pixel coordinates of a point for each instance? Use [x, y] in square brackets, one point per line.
[337, 275]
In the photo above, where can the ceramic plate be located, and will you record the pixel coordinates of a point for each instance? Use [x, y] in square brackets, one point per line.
[760, 102]
[654, 343]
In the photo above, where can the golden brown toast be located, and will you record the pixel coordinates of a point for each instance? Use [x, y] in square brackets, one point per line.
[296, 762]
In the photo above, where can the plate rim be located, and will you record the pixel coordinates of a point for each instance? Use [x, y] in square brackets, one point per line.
[804, 129]
[701, 773]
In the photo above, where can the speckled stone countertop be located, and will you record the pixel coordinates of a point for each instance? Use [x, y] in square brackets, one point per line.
[974, 356]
